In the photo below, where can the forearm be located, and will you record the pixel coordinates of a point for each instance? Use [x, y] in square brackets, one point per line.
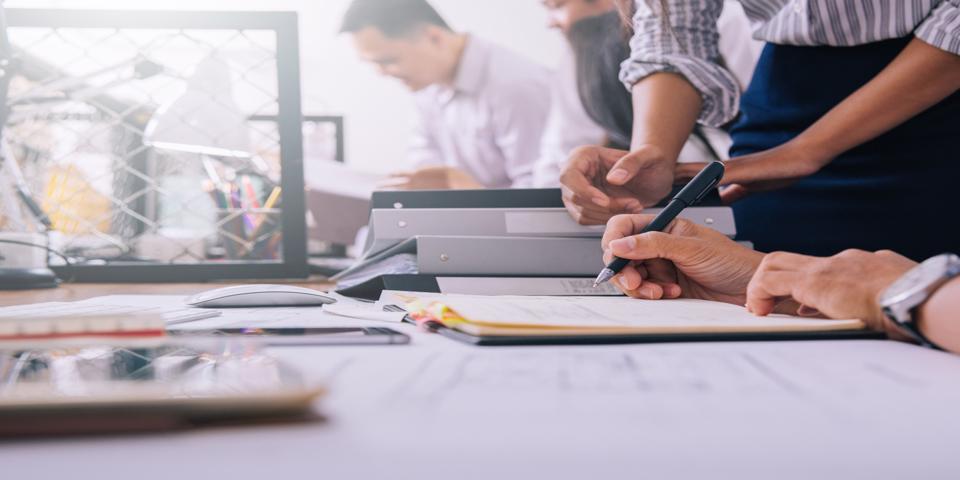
[665, 110]
[918, 78]
[939, 317]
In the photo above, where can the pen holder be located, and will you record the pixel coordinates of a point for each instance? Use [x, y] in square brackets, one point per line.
[267, 237]
[250, 234]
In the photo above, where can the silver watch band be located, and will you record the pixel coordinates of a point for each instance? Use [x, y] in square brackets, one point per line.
[909, 325]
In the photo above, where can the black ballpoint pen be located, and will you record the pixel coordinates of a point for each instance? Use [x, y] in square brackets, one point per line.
[690, 195]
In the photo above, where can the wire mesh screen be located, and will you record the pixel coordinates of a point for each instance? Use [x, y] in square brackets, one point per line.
[152, 145]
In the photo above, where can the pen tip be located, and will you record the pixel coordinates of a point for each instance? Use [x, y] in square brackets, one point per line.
[604, 276]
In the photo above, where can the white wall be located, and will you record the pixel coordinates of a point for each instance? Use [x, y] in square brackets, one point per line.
[378, 111]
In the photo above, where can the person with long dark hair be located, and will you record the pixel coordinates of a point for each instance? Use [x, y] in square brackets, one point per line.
[845, 138]
[589, 105]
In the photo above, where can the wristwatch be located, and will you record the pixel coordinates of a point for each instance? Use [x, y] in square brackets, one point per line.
[902, 298]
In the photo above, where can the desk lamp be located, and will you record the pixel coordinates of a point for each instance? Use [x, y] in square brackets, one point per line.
[205, 119]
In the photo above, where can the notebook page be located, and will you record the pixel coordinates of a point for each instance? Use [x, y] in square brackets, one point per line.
[616, 313]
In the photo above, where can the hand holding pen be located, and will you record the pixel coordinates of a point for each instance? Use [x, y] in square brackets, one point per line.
[690, 195]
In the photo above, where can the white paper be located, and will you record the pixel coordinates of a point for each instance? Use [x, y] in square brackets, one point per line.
[750, 411]
[334, 177]
[613, 312]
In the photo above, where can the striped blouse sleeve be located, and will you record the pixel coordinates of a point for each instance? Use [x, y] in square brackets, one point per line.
[687, 46]
[942, 28]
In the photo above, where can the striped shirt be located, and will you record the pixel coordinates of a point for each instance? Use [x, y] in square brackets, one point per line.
[688, 45]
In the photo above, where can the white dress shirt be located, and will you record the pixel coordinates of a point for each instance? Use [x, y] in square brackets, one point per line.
[688, 45]
[490, 121]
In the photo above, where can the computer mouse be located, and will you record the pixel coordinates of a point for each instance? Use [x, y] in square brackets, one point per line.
[260, 296]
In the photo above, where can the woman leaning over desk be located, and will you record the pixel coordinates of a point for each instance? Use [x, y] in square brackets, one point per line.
[846, 138]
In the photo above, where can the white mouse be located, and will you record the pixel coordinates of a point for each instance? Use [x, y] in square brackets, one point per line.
[260, 296]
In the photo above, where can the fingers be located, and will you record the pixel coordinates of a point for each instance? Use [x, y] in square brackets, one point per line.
[629, 165]
[767, 287]
[577, 178]
[589, 195]
[660, 280]
[587, 214]
[597, 215]
[578, 189]
[625, 205]
[733, 193]
[622, 226]
[805, 311]
[650, 291]
[656, 245]
[894, 256]
[785, 261]
[625, 225]
[631, 277]
[661, 272]
[646, 290]
[672, 290]
[778, 276]
[635, 281]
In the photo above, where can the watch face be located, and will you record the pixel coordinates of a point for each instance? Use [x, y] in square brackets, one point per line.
[919, 279]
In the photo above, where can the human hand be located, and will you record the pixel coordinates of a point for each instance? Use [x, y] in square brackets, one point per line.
[846, 285]
[685, 260]
[600, 182]
[431, 178]
[762, 171]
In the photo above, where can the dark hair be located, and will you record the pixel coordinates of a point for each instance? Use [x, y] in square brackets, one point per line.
[394, 18]
[626, 9]
[599, 45]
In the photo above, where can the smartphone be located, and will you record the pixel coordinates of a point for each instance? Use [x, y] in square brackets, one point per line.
[281, 336]
[155, 384]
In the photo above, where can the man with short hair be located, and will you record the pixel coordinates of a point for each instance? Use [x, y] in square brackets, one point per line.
[482, 108]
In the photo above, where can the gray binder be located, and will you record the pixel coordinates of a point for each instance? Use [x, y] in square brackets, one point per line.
[529, 256]
[389, 227]
[496, 241]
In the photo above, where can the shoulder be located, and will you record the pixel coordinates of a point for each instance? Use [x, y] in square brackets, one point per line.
[506, 66]
[512, 77]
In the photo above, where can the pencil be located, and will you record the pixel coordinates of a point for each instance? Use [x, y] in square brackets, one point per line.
[272, 199]
[251, 193]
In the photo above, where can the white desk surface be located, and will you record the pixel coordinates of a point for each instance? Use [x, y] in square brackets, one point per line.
[439, 409]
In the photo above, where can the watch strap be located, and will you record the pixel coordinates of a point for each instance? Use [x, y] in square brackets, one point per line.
[909, 325]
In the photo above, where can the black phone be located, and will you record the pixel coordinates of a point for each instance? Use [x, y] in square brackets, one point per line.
[280, 336]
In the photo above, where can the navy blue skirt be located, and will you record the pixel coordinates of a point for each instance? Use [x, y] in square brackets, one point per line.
[897, 192]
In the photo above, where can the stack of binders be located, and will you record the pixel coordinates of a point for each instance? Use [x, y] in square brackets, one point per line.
[487, 242]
